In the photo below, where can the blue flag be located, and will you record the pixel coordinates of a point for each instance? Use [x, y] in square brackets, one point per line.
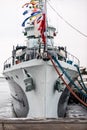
[25, 12]
[23, 24]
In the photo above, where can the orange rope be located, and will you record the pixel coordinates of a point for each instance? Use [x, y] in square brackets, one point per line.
[68, 87]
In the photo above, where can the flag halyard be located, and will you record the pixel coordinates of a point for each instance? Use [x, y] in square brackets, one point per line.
[37, 18]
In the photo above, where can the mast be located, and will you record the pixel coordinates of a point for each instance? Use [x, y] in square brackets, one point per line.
[46, 24]
[43, 4]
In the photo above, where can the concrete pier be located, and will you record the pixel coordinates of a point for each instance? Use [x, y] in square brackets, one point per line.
[43, 124]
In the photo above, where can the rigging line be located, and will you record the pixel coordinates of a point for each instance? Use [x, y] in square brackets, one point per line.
[67, 21]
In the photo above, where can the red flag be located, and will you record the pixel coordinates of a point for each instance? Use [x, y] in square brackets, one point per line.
[42, 28]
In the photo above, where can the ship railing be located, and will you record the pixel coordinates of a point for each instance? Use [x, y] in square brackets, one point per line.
[71, 59]
[66, 56]
[8, 63]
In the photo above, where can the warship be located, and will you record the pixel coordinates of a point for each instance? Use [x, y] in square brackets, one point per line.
[42, 76]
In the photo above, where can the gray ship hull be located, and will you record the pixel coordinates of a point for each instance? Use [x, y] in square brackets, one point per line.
[32, 88]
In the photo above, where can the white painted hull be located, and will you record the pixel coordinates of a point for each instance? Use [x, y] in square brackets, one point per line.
[42, 101]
